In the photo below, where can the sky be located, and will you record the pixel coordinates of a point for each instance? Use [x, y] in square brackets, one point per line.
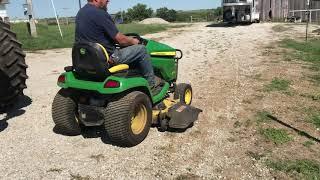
[43, 8]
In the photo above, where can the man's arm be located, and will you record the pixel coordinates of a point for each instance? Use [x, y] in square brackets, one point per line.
[125, 40]
[112, 31]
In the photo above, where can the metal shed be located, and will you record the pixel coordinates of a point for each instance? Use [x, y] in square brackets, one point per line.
[279, 10]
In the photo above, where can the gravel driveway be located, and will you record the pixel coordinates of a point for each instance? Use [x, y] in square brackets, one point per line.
[218, 62]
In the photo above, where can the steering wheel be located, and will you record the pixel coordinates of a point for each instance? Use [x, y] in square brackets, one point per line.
[137, 36]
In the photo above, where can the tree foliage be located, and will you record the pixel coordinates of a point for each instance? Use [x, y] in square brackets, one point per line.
[138, 12]
[218, 12]
[167, 14]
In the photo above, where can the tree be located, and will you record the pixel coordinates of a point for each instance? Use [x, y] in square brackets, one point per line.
[218, 12]
[172, 15]
[139, 12]
[121, 17]
[166, 14]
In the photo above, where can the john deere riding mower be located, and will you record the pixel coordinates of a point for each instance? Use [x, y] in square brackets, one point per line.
[12, 66]
[118, 98]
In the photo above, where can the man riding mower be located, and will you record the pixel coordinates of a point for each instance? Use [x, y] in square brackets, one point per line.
[120, 97]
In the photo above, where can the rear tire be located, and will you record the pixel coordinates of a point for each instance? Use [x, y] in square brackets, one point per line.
[183, 92]
[128, 119]
[12, 66]
[64, 111]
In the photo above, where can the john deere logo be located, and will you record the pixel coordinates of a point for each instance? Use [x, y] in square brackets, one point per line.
[83, 51]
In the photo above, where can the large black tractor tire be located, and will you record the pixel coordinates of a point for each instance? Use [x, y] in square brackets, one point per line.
[12, 67]
[183, 92]
[227, 16]
[128, 119]
[64, 114]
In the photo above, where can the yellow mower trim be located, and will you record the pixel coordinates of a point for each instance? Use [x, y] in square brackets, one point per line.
[163, 54]
[120, 67]
[104, 51]
[160, 114]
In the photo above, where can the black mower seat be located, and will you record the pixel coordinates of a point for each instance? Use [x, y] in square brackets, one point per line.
[90, 61]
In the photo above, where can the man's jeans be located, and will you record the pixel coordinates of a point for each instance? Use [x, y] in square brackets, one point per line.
[136, 56]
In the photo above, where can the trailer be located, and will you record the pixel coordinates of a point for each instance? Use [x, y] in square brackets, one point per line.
[237, 11]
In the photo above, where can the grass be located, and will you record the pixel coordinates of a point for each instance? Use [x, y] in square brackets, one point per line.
[305, 51]
[277, 136]
[315, 119]
[277, 84]
[262, 116]
[300, 169]
[308, 144]
[49, 36]
[314, 97]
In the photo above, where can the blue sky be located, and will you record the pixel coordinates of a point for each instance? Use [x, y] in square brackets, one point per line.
[43, 8]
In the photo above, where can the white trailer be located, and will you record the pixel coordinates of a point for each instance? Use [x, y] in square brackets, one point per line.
[235, 11]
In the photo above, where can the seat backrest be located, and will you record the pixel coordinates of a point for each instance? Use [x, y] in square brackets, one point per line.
[90, 61]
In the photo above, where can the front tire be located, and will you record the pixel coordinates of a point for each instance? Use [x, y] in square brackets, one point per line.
[183, 92]
[64, 111]
[128, 119]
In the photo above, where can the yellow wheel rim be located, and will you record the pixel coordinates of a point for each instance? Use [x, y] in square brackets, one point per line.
[139, 120]
[188, 96]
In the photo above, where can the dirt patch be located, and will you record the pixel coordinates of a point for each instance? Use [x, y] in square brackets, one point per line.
[154, 21]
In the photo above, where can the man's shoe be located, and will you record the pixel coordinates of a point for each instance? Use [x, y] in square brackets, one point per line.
[159, 81]
[156, 90]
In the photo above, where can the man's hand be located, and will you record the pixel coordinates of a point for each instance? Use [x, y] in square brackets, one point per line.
[135, 41]
[125, 40]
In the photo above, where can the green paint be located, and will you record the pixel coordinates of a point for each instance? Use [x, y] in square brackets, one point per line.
[166, 65]
[125, 84]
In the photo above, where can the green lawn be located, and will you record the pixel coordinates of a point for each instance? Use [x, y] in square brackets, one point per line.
[277, 84]
[49, 36]
[298, 169]
[304, 51]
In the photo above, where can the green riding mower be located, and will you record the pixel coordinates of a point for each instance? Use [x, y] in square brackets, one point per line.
[119, 99]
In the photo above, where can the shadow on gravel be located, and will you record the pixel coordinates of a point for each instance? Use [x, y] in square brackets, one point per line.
[13, 111]
[229, 24]
[173, 130]
[99, 132]
[96, 132]
[88, 133]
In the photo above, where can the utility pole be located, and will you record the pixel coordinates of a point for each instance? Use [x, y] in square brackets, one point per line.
[308, 18]
[79, 4]
[32, 23]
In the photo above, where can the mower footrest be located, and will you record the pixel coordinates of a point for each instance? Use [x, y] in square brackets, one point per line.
[181, 116]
